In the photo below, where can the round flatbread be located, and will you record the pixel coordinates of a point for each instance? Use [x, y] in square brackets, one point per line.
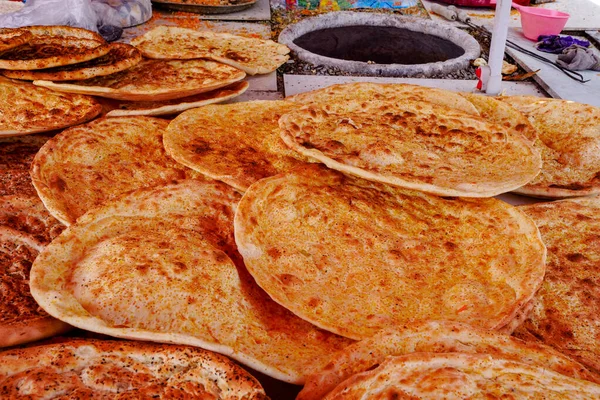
[120, 57]
[502, 114]
[252, 55]
[85, 166]
[416, 145]
[13, 37]
[155, 80]
[42, 52]
[16, 155]
[359, 95]
[63, 31]
[234, 143]
[354, 257]
[569, 140]
[21, 319]
[27, 214]
[176, 106]
[91, 368]
[26, 109]
[161, 264]
[565, 312]
[461, 376]
[435, 337]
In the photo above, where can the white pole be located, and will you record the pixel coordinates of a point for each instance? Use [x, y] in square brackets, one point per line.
[499, 33]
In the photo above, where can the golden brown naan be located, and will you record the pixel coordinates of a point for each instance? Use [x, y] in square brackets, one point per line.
[155, 80]
[416, 145]
[503, 114]
[354, 257]
[85, 166]
[13, 37]
[435, 337]
[16, 155]
[161, 264]
[27, 214]
[62, 31]
[569, 139]
[110, 369]
[25, 108]
[234, 143]
[48, 52]
[120, 57]
[566, 308]
[175, 106]
[21, 319]
[457, 376]
[252, 55]
[358, 96]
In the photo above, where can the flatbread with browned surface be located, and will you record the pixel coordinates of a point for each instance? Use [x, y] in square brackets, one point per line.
[359, 95]
[234, 143]
[354, 257]
[461, 376]
[11, 38]
[416, 145]
[16, 155]
[21, 319]
[176, 106]
[569, 139]
[63, 31]
[252, 55]
[83, 167]
[435, 337]
[503, 114]
[155, 80]
[90, 368]
[27, 214]
[566, 308]
[42, 52]
[161, 265]
[120, 57]
[25, 109]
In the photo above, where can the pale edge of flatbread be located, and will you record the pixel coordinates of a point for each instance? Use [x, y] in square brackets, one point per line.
[177, 108]
[134, 95]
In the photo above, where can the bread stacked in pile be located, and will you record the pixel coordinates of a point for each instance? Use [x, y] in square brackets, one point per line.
[346, 239]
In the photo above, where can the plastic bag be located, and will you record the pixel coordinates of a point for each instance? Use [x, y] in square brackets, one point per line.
[77, 13]
[122, 13]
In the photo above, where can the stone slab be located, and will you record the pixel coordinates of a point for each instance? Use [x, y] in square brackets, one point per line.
[551, 79]
[295, 84]
[257, 95]
[267, 82]
[584, 14]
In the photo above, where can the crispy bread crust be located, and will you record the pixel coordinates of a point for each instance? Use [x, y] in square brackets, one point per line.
[254, 56]
[566, 308]
[89, 368]
[120, 57]
[155, 80]
[176, 106]
[393, 255]
[435, 337]
[42, 52]
[569, 142]
[415, 145]
[26, 109]
[217, 142]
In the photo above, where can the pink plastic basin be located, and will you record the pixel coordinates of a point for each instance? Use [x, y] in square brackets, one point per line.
[541, 21]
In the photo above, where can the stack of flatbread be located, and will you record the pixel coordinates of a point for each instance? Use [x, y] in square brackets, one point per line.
[346, 240]
[185, 68]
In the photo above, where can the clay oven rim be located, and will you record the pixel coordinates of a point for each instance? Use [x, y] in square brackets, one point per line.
[351, 18]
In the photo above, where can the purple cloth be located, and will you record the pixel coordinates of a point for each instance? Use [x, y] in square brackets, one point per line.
[556, 44]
